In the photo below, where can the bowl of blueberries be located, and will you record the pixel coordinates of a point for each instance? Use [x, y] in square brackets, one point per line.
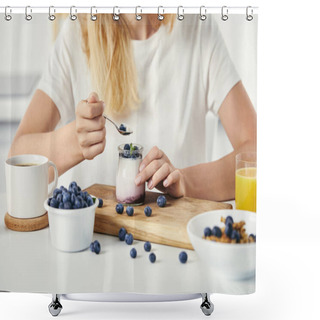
[226, 240]
[71, 214]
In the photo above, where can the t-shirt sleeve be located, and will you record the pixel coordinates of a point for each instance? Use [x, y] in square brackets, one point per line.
[56, 78]
[220, 74]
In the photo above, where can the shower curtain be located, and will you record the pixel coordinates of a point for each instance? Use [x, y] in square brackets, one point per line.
[185, 85]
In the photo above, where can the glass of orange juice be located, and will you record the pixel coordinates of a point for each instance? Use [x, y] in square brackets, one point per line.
[246, 181]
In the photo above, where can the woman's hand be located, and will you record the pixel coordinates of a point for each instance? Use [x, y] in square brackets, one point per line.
[157, 169]
[90, 126]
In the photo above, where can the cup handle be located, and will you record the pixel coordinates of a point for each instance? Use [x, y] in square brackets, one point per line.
[50, 163]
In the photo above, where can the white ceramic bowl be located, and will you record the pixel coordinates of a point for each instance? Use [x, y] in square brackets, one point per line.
[234, 261]
[71, 230]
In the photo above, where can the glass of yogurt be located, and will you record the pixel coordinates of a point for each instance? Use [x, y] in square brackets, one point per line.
[127, 192]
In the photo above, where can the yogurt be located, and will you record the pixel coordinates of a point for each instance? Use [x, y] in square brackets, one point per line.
[128, 167]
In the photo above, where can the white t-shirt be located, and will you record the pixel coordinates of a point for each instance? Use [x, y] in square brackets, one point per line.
[182, 75]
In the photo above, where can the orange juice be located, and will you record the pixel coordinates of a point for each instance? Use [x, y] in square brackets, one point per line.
[246, 186]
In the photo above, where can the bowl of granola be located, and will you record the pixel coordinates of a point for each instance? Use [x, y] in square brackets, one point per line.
[226, 240]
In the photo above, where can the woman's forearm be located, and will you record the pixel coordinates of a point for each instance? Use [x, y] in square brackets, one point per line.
[60, 146]
[214, 180]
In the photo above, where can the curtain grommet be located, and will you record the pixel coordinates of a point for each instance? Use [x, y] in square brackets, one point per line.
[224, 13]
[180, 13]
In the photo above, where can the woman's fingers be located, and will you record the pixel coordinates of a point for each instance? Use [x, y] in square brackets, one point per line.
[148, 172]
[153, 154]
[94, 150]
[159, 175]
[172, 178]
[90, 126]
[92, 138]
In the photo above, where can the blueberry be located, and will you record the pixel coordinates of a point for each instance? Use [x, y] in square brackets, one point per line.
[122, 234]
[81, 194]
[126, 147]
[229, 219]
[207, 232]
[100, 203]
[62, 188]
[119, 208]
[85, 205]
[67, 205]
[54, 203]
[66, 197]
[72, 184]
[73, 198]
[216, 231]
[74, 190]
[135, 148]
[253, 237]
[59, 197]
[147, 246]
[183, 257]
[79, 189]
[122, 127]
[56, 192]
[161, 201]
[77, 204]
[49, 201]
[147, 211]
[129, 211]
[228, 229]
[85, 195]
[133, 253]
[128, 238]
[95, 246]
[89, 201]
[152, 257]
[235, 235]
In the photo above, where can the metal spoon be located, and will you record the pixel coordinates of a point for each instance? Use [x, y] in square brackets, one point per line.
[123, 132]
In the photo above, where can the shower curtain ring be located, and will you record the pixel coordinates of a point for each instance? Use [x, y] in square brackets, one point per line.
[51, 17]
[93, 16]
[7, 16]
[160, 15]
[203, 13]
[28, 16]
[73, 16]
[224, 13]
[249, 17]
[180, 13]
[116, 16]
[138, 16]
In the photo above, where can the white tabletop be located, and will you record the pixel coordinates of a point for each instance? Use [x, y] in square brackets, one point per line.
[29, 263]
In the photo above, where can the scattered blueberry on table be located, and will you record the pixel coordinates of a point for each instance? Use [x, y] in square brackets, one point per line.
[119, 208]
[147, 246]
[122, 233]
[129, 211]
[100, 203]
[161, 201]
[95, 247]
[183, 257]
[133, 253]
[147, 211]
[152, 257]
[128, 238]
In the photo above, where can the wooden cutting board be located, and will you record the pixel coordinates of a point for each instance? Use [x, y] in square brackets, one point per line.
[166, 225]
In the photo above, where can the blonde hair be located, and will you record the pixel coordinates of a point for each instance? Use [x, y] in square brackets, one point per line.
[107, 46]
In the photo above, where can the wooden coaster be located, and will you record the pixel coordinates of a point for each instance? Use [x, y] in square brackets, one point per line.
[31, 224]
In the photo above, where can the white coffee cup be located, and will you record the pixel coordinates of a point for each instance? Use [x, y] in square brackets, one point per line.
[27, 185]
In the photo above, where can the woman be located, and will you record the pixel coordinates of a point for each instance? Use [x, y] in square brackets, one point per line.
[160, 78]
